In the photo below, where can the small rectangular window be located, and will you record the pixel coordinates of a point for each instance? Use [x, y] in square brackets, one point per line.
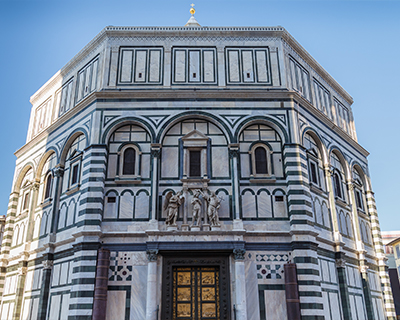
[140, 75]
[279, 198]
[111, 199]
[74, 177]
[359, 199]
[194, 75]
[248, 75]
[26, 201]
[195, 163]
[313, 173]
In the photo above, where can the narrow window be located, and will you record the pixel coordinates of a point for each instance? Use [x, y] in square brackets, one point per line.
[313, 173]
[194, 75]
[336, 186]
[48, 187]
[26, 201]
[140, 75]
[248, 75]
[279, 198]
[195, 163]
[111, 199]
[129, 162]
[358, 199]
[261, 160]
[74, 177]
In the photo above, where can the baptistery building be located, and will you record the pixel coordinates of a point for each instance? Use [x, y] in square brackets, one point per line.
[192, 173]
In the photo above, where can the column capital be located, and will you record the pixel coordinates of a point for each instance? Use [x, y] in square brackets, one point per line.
[155, 150]
[152, 255]
[364, 268]
[48, 264]
[238, 254]
[58, 171]
[22, 271]
[340, 263]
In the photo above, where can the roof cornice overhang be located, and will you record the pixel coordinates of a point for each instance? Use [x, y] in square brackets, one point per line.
[111, 31]
[194, 94]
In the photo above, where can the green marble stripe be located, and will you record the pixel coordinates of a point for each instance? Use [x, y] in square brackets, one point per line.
[92, 189]
[82, 294]
[85, 258]
[91, 170]
[271, 287]
[298, 192]
[294, 164]
[77, 317]
[309, 283]
[300, 213]
[310, 260]
[93, 179]
[90, 211]
[308, 272]
[91, 200]
[88, 223]
[312, 306]
[310, 294]
[311, 318]
[88, 163]
[300, 202]
[81, 306]
[84, 269]
[83, 281]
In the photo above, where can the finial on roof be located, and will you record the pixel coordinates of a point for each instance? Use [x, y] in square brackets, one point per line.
[192, 22]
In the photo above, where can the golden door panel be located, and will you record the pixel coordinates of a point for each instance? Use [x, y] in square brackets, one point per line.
[196, 293]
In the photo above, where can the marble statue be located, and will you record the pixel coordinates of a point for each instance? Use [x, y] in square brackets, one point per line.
[214, 203]
[171, 205]
[196, 203]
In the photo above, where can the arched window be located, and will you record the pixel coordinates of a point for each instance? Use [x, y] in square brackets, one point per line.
[73, 162]
[358, 189]
[128, 166]
[261, 160]
[338, 176]
[47, 192]
[315, 166]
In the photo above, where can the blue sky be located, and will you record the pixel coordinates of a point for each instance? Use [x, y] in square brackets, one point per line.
[357, 42]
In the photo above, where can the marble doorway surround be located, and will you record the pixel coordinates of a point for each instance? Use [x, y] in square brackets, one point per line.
[189, 272]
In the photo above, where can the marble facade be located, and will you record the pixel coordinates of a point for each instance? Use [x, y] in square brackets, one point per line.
[180, 100]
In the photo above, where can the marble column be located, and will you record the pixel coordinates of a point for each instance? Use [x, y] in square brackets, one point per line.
[155, 156]
[292, 292]
[367, 292]
[233, 155]
[32, 206]
[344, 291]
[58, 174]
[20, 290]
[151, 298]
[45, 287]
[101, 286]
[332, 203]
[240, 285]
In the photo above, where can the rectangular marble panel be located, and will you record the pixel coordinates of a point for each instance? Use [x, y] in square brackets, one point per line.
[360, 308]
[56, 275]
[138, 292]
[325, 271]
[116, 301]
[267, 135]
[261, 61]
[110, 209]
[86, 89]
[264, 205]
[275, 304]
[29, 280]
[245, 165]
[4, 311]
[248, 205]
[277, 161]
[332, 272]
[233, 60]
[54, 306]
[121, 136]
[26, 310]
[208, 65]
[280, 210]
[194, 66]
[335, 306]
[180, 66]
[138, 136]
[187, 127]
[169, 162]
[145, 173]
[81, 84]
[325, 300]
[379, 306]
[351, 276]
[142, 206]
[202, 127]
[70, 269]
[64, 307]
[154, 67]
[253, 305]
[94, 75]
[126, 66]
[171, 140]
[247, 69]
[35, 308]
[250, 135]
[126, 206]
[140, 65]
[112, 165]
[64, 273]
[220, 162]
[353, 306]
[218, 140]
[35, 279]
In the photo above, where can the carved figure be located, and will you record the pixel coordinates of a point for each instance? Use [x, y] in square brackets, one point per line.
[214, 203]
[171, 205]
[196, 203]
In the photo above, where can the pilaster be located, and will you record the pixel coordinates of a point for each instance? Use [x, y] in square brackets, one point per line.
[240, 285]
[45, 287]
[151, 300]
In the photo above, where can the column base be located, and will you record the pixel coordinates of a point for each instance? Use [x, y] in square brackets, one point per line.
[194, 228]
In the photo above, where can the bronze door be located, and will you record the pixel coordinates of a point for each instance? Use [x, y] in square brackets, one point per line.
[195, 293]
